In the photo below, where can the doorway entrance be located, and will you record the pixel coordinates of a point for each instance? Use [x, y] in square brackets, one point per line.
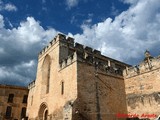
[43, 112]
[46, 115]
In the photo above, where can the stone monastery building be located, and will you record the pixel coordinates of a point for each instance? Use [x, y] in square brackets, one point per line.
[74, 82]
[13, 102]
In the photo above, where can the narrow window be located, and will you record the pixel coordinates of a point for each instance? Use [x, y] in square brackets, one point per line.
[10, 98]
[62, 88]
[23, 112]
[25, 98]
[31, 100]
[47, 90]
[8, 111]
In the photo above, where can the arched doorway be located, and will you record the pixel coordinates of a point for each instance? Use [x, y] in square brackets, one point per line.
[46, 115]
[43, 112]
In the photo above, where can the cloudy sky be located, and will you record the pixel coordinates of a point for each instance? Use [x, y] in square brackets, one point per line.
[121, 29]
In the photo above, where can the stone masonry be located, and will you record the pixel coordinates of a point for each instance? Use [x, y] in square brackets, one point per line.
[13, 102]
[76, 82]
[142, 87]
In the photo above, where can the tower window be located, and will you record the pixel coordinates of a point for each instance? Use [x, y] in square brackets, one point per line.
[10, 98]
[48, 78]
[62, 88]
[31, 100]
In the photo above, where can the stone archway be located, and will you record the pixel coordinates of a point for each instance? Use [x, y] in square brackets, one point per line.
[46, 115]
[43, 112]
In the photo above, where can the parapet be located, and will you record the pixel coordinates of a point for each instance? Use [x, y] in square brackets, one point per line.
[77, 51]
[66, 62]
[79, 47]
[70, 41]
[88, 49]
[31, 85]
[143, 67]
[59, 37]
[97, 52]
[13, 87]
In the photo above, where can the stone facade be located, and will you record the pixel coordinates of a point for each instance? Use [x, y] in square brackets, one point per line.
[142, 88]
[75, 82]
[13, 102]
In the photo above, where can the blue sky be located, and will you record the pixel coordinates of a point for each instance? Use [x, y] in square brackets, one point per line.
[121, 29]
[65, 15]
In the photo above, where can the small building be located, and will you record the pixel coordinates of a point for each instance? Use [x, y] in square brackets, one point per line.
[13, 102]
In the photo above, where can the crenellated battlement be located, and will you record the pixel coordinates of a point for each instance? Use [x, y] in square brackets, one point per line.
[71, 51]
[145, 66]
[69, 60]
[81, 48]
[59, 37]
[31, 85]
[69, 42]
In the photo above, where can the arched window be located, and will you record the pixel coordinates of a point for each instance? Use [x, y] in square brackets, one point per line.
[46, 72]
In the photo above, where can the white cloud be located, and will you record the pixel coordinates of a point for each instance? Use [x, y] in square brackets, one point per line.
[1, 21]
[114, 11]
[130, 1]
[87, 21]
[129, 34]
[1, 51]
[9, 76]
[19, 48]
[7, 6]
[72, 3]
[124, 38]
[10, 7]
[30, 32]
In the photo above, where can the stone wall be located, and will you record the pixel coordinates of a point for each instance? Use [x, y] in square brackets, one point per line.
[17, 103]
[63, 69]
[93, 84]
[142, 88]
[101, 95]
